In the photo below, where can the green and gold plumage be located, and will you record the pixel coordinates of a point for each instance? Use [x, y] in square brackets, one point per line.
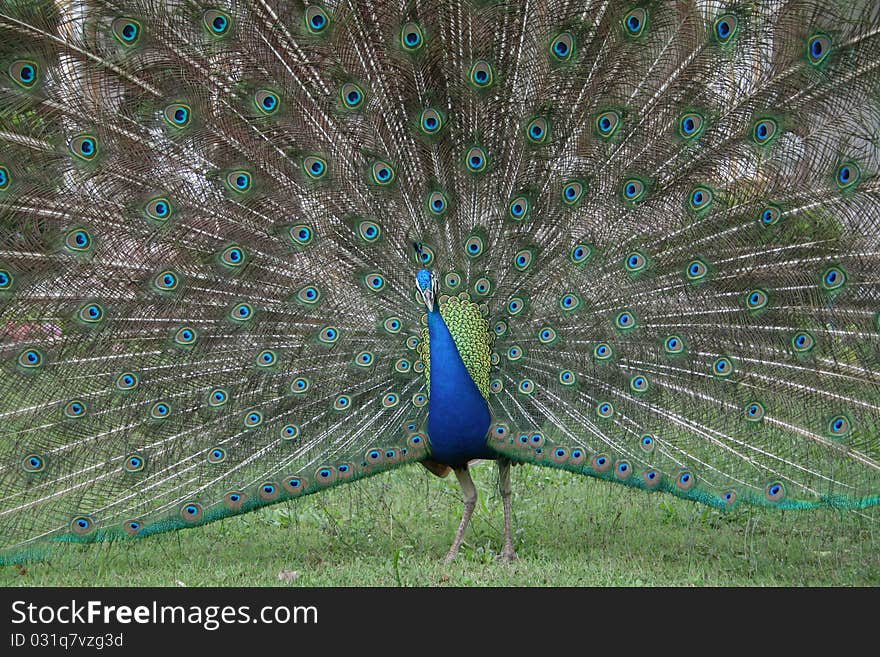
[470, 331]
[665, 217]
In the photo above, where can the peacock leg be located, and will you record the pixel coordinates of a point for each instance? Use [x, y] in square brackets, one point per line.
[469, 493]
[508, 553]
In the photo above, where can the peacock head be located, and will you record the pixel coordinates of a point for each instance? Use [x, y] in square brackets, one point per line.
[428, 287]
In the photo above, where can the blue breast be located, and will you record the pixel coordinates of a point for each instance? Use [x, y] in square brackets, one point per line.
[458, 415]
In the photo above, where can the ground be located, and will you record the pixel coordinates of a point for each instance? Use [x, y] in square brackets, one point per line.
[394, 529]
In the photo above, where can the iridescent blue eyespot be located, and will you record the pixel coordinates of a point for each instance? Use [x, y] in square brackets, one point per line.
[600, 463]
[75, 409]
[569, 302]
[701, 199]
[774, 491]
[572, 192]
[302, 234]
[481, 75]
[580, 253]
[30, 358]
[722, 367]
[382, 173]
[91, 313]
[636, 262]
[126, 30]
[132, 527]
[764, 130]
[85, 147]
[217, 22]
[518, 208]
[375, 281]
[770, 215]
[802, 342]
[437, 202]
[685, 481]
[299, 385]
[473, 247]
[352, 95]
[82, 525]
[848, 174]
[253, 419]
[4, 178]
[159, 209]
[316, 20]
[839, 426]
[673, 345]
[527, 386]
[177, 115]
[567, 377]
[625, 320]
[647, 443]
[364, 359]
[547, 335]
[476, 159]
[634, 190]
[232, 256]
[266, 101]
[515, 306]
[242, 312]
[623, 470]
[309, 295]
[134, 463]
[638, 383]
[607, 123]
[185, 336]
[290, 432]
[725, 27]
[294, 485]
[411, 37]
[562, 46]
[239, 181]
[78, 240]
[160, 410]
[514, 353]
[216, 455]
[329, 335]
[755, 412]
[603, 351]
[342, 402]
[127, 381]
[538, 130]
[24, 72]
[635, 22]
[604, 410]
[218, 397]
[166, 281]
[690, 125]
[315, 167]
[696, 271]
[818, 48]
[6, 280]
[191, 512]
[392, 325]
[757, 300]
[33, 463]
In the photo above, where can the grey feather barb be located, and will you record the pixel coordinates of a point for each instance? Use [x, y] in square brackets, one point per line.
[251, 250]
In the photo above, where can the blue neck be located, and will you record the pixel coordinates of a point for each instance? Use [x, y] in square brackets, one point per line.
[458, 415]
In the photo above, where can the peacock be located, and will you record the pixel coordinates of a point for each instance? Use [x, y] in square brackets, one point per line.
[254, 249]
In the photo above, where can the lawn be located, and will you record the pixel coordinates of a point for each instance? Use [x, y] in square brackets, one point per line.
[394, 529]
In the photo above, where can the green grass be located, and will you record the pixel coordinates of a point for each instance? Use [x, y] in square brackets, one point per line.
[394, 529]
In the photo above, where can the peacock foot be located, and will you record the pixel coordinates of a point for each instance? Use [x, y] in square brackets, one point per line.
[508, 555]
[450, 557]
